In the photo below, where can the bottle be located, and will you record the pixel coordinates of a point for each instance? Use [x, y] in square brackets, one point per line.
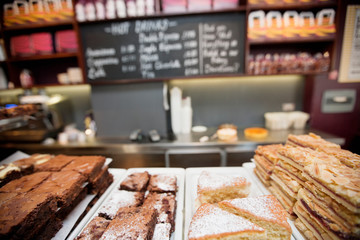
[120, 8]
[90, 11]
[110, 9]
[80, 11]
[100, 9]
[175, 105]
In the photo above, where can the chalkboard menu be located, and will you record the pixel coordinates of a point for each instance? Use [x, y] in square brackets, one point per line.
[161, 48]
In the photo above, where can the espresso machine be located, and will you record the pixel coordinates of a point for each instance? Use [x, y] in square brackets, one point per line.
[36, 118]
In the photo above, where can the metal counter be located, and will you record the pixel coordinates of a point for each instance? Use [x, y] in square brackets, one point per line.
[131, 154]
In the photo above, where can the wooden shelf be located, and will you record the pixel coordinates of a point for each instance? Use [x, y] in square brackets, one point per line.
[299, 6]
[162, 15]
[290, 40]
[39, 25]
[44, 57]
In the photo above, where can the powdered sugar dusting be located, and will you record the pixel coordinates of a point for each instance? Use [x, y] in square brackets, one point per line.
[211, 220]
[119, 199]
[212, 181]
[162, 231]
[165, 182]
[265, 207]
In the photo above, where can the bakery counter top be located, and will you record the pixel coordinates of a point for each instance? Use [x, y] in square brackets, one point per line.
[190, 142]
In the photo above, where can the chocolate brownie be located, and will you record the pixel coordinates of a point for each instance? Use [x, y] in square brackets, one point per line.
[9, 172]
[4, 197]
[49, 230]
[89, 166]
[65, 186]
[27, 165]
[54, 164]
[66, 209]
[25, 212]
[25, 183]
[162, 183]
[94, 229]
[101, 182]
[165, 204]
[135, 182]
[120, 199]
[137, 226]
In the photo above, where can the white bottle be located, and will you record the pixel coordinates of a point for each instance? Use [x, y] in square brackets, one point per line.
[110, 9]
[140, 7]
[186, 115]
[176, 105]
[80, 11]
[120, 8]
[131, 8]
[100, 10]
[90, 11]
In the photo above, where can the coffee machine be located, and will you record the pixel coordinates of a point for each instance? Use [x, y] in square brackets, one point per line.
[47, 116]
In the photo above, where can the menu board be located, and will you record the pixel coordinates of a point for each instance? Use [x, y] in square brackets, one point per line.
[162, 48]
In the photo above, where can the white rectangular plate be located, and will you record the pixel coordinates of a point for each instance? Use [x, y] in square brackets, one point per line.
[249, 166]
[192, 175]
[180, 175]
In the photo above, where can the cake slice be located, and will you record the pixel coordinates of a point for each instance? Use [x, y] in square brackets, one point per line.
[211, 222]
[348, 158]
[213, 188]
[265, 211]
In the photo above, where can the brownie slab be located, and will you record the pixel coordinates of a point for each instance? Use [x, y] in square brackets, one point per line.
[65, 186]
[25, 183]
[137, 226]
[94, 229]
[89, 166]
[101, 182]
[9, 172]
[24, 213]
[55, 164]
[135, 182]
[162, 183]
[27, 165]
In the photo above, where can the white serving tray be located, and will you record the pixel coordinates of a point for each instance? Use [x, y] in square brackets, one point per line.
[192, 175]
[118, 174]
[180, 175]
[249, 166]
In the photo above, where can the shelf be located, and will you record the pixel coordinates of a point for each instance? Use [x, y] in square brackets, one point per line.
[44, 57]
[290, 40]
[163, 15]
[295, 73]
[39, 25]
[297, 6]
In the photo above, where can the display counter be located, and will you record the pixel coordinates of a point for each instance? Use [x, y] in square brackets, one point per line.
[128, 154]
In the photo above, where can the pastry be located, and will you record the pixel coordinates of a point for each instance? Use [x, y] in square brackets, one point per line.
[211, 222]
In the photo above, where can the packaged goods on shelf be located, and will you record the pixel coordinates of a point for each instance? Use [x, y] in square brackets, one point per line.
[302, 62]
[21, 46]
[199, 5]
[291, 24]
[262, 3]
[36, 11]
[66, 41]
[172, 6]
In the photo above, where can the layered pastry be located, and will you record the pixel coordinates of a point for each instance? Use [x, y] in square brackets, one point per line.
[137, 181]
[9, 172]
[211, 222]
[338, 188]
[265, 159]
[311, 140]
[213, 188]
[286, 201]
[265, 211]
[162, 183]
[94, 230]
[299, 157]
[138, 225]
[120, 199]
[348, 158]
